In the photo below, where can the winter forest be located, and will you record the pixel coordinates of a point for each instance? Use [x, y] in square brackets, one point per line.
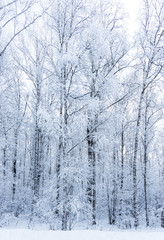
[81, 114]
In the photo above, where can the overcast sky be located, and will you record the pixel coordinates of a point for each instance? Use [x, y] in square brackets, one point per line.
[132, 7]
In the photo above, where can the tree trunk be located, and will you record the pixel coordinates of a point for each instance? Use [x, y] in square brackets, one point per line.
[122, 173]
[37, 160]
[91, 189]
[145, 169]
[135, 211]
[15, 162]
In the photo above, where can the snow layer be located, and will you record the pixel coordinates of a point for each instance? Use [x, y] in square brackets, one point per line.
[20, 234]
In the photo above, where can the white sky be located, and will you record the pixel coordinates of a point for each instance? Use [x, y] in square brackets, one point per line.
[132, 7]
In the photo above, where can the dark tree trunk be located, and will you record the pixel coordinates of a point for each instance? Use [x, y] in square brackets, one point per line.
[91, 189]
[15, 162]
[145, 168]
[122, 173]
[136, 142]
[37, 160]
[162, 218]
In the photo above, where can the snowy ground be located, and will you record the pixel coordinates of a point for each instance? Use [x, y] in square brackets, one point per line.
[20, 234]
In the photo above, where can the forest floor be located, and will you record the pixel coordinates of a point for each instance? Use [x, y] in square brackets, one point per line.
[22, 234]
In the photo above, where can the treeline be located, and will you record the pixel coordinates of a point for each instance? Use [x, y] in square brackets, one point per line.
[81, 114]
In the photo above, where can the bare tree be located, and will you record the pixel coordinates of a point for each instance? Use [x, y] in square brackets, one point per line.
[13, 19]
[151, 66]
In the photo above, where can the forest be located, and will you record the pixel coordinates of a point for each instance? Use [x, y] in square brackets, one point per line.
[81, 114]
